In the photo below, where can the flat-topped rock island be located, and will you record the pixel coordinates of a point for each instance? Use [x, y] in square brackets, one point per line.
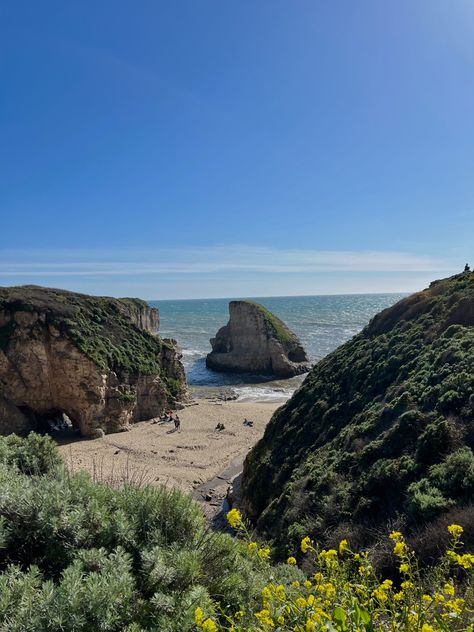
[256, 341]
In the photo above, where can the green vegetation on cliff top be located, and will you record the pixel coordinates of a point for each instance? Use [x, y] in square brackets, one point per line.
[381, 431]
[278, 327]
[100, 327]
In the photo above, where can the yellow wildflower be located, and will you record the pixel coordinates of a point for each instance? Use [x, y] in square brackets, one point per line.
[400, 549]
[466, 560]
[291, 561]
[266, 595]
[301, 602]
[209, 626]
[234, 518]
[343, 546]
[310, 625]
[264, 617]
[307, 583]
[198, 616]
[395, 535]
[406, 585]
[427, 628]
[280, 592]
[328, 555]
[455, 606]
[264, 553]
[305, 544]
[449, 589]
[251, 547]
[455, 529]
[404, 568]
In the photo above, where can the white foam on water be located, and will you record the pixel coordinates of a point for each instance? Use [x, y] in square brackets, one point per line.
[191, 353]
[262, 394]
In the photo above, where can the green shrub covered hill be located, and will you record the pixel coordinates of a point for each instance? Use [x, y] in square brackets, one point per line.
[381, 433]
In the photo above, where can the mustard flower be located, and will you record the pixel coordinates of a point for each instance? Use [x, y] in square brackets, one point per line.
[305, 544]
[264, 553]
[234, 518]
[198, 617]
[455, 529]
[400, 549]
[209, 626]
[291, 561]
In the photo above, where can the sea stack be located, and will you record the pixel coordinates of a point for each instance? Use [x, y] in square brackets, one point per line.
[256, 341]
[97, 360]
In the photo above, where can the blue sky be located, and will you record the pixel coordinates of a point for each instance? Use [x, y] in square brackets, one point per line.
[197, 149]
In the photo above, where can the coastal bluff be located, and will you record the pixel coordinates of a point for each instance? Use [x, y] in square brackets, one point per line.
[97, 360]
[381, 430]
[256, 341]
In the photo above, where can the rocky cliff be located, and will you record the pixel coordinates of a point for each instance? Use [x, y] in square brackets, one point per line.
[256, 341]
[380, 433]
[92, 358]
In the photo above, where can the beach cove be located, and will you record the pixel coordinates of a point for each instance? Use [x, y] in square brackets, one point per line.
[149, 453]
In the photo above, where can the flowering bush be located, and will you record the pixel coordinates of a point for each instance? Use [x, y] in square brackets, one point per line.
[345, 593]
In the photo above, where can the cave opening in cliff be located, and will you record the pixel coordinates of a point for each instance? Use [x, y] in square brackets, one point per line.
[52, 422]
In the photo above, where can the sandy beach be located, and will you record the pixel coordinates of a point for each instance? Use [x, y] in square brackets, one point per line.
[198, 459]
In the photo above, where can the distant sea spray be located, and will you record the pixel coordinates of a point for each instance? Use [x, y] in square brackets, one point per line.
[321, 322]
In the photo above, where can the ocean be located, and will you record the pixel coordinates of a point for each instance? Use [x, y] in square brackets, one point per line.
[321, 322]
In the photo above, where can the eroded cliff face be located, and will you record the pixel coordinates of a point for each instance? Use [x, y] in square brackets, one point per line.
[92, 358]
[256, 341]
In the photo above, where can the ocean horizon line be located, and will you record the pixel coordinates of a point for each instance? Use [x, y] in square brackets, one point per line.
[244, 298]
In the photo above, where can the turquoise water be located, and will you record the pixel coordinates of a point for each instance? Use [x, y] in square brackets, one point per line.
[321, 322]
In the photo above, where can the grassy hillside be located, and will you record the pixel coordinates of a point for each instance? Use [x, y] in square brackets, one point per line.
[382, 431]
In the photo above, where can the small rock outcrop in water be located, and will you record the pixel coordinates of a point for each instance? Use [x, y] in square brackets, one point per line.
[256, 341]
[96, 359]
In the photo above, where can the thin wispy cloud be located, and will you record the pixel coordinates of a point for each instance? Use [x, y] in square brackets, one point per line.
[217, 259]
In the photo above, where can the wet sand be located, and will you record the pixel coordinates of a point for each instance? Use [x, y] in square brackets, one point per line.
[197, 459]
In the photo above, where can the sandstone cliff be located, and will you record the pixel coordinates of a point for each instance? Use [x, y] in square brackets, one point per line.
[256, 341]
[92, 358]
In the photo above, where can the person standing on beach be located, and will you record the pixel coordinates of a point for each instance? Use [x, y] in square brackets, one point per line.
[177, 422]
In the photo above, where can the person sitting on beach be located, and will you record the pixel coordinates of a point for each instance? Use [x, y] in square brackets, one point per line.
[247, 422]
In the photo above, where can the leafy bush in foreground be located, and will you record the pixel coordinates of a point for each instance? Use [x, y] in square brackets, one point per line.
[76, 555]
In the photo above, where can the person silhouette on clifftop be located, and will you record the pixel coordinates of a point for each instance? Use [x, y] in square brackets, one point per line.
[467, 268]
